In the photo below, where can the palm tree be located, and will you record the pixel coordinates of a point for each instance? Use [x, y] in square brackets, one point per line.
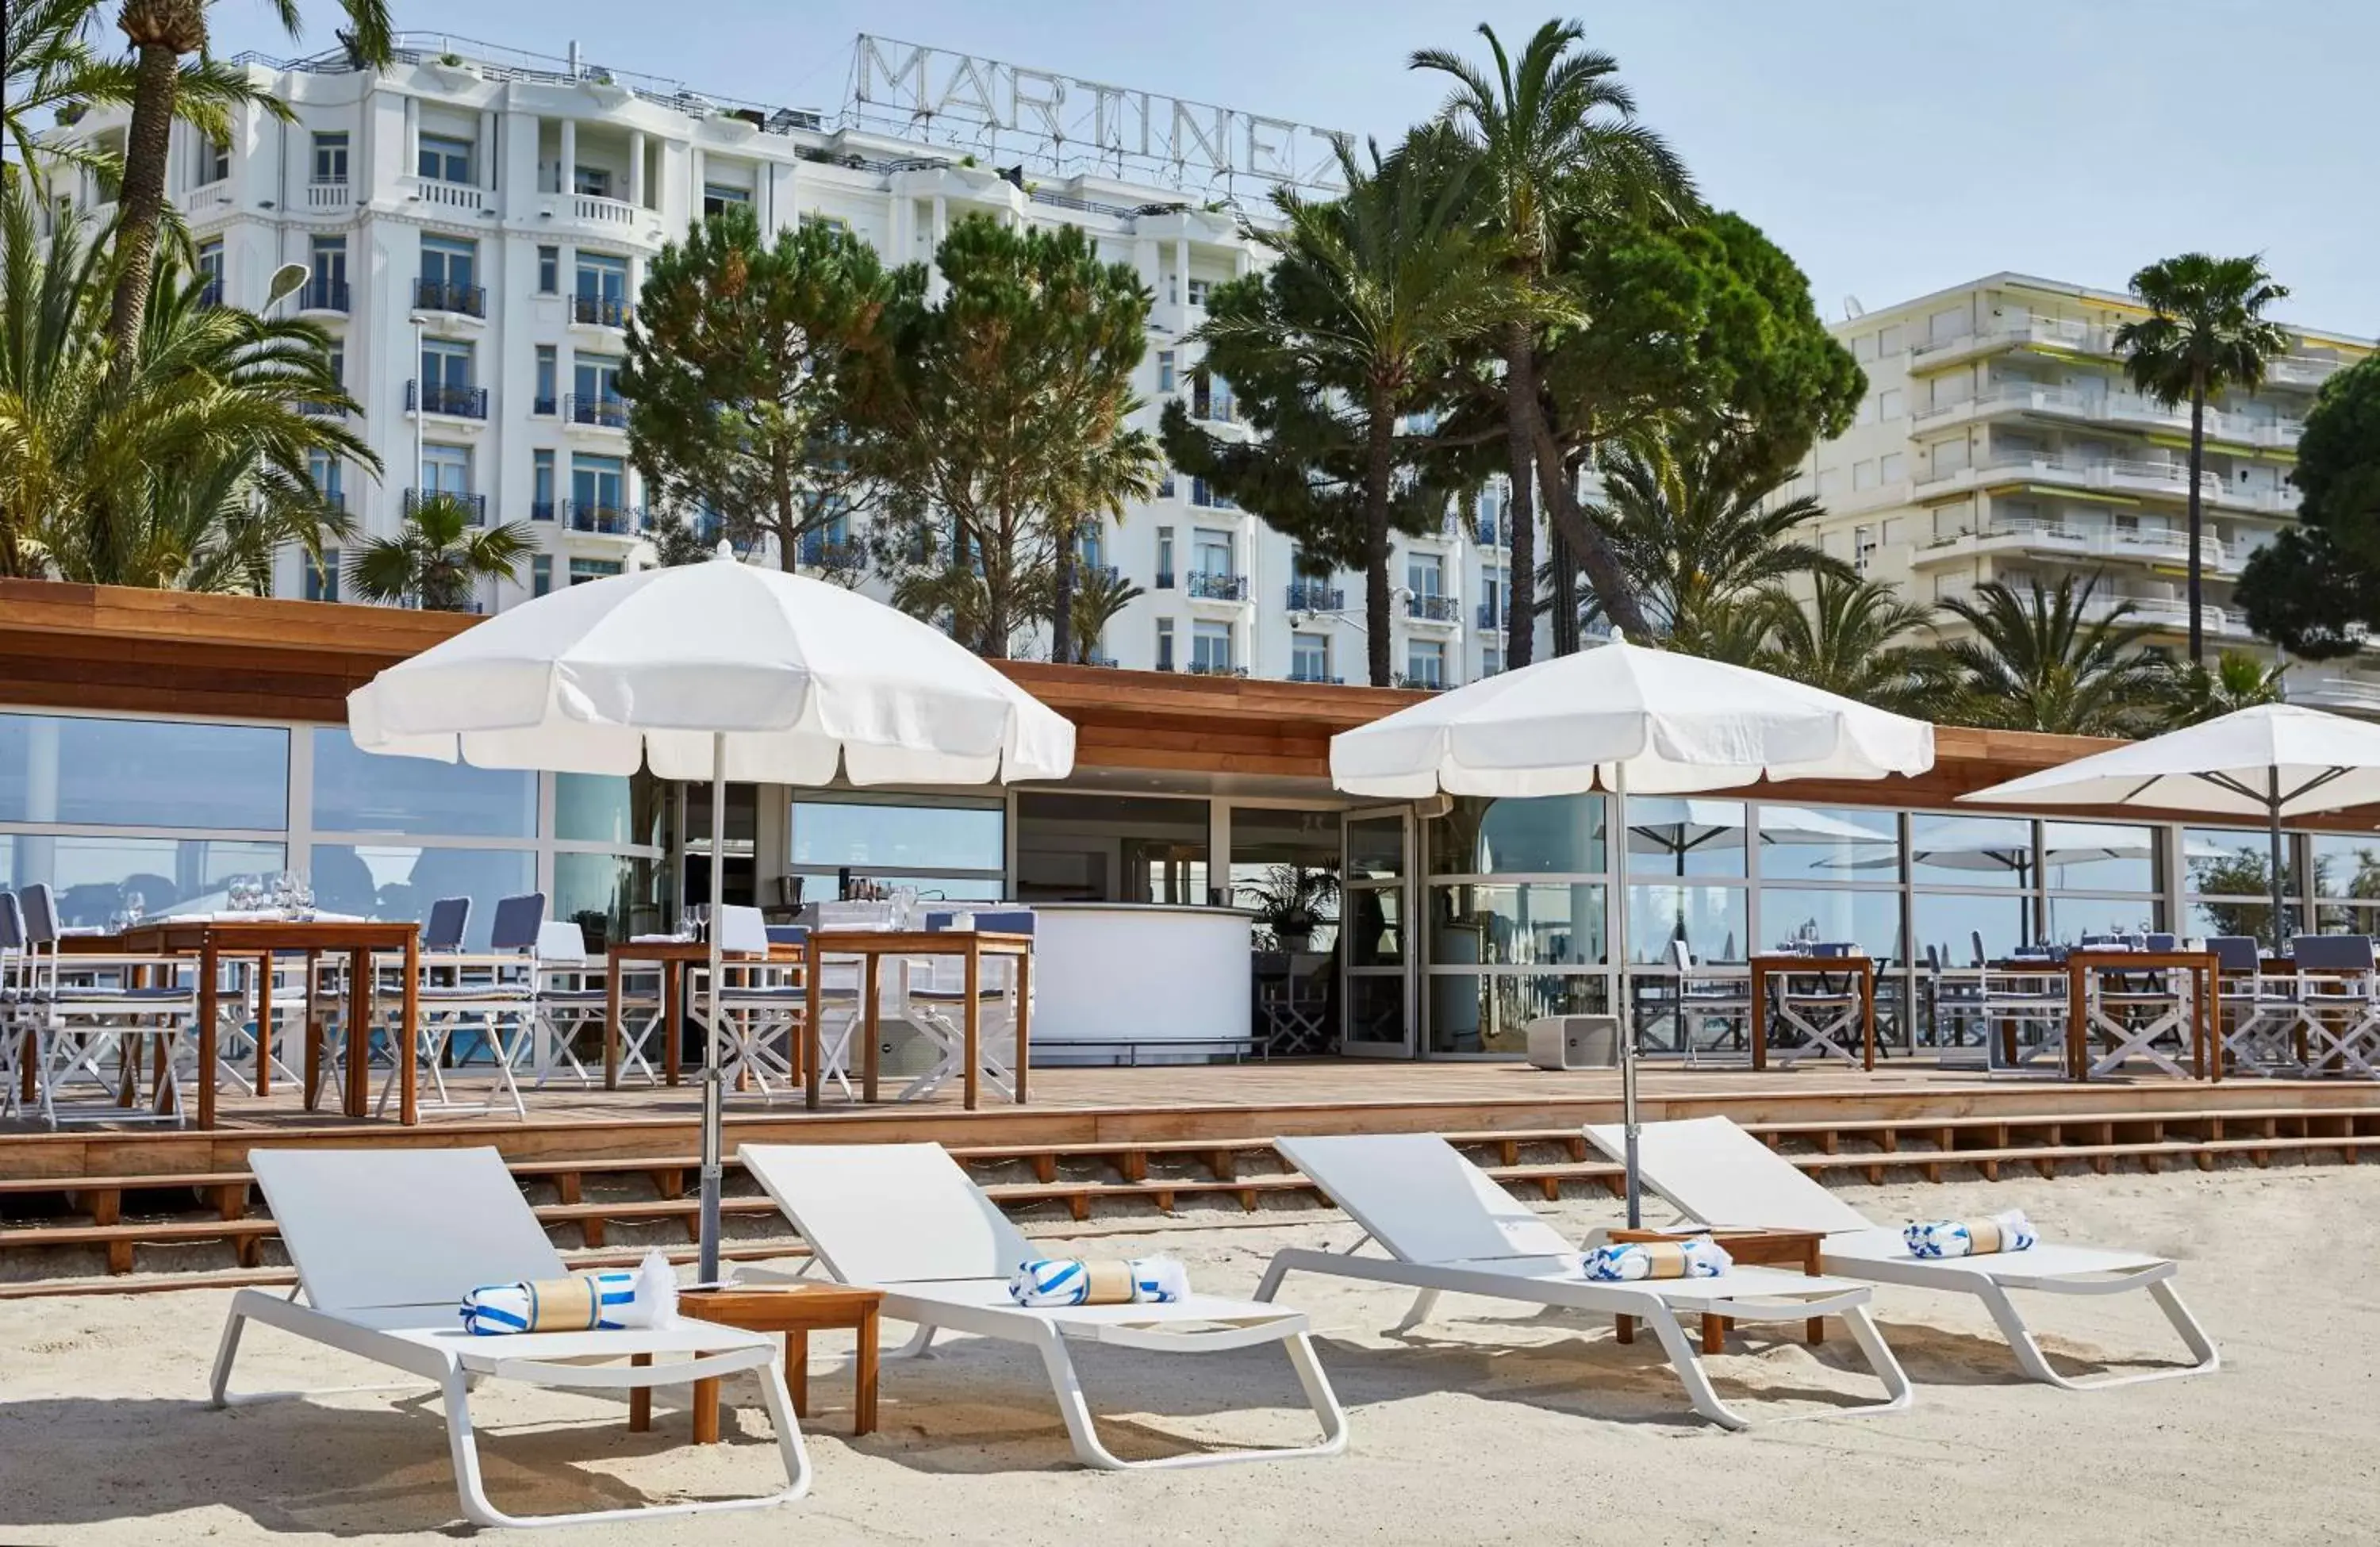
[2037, 661]
[1393, 280]
[51, 65]
[2206, 334]
[161, 32]
[189, 471]
[439, 558]
[1856, 637]
[1692, 531]
[1099, 601]
[2192, 693]
[1557, 136]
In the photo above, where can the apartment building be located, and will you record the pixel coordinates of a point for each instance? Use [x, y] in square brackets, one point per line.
[2000, 441]
[476, 222]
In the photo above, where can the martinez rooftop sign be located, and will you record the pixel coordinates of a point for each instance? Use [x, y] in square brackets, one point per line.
[1071, 125]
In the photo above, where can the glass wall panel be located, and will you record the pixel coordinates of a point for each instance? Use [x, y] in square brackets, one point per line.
[1830, 843]
[1375, 849]
[1376, 1009]
[2346, 865]
[1517, 924]
[2211, 916]
[400, 880]
[95, 878]
[356, 791]
[1710, 920]
[833, 834]
[1079, 848]
[1970, 851]
[1685, 838]
[2226, 862]
[2072, 917]
[1555, 835]
[605, 808]
[1806, 915]
[602, 893]
[1374, 922]
[1956, 927]
[60, 767]
[1490, 1013]
[2101, 856]
[1286, 869]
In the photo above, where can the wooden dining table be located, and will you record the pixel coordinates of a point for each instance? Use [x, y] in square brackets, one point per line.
[672, 957]
[971, 946]
[2205, 1009]
[260, 940]
[1767, 968]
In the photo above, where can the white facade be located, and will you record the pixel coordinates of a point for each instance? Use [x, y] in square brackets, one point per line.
[1999, 440]
[475, 227]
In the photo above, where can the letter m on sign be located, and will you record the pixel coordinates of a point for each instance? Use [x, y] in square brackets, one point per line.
[872, 63]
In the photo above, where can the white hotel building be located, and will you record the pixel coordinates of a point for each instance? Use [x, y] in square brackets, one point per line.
[2000, 441]
[477, 223]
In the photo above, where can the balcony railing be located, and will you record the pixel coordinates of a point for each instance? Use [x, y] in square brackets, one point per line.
[1164, 579]
[1315, 674]
[461, 300]
[1490, 616]
[2115, 407]
[544, 405]
[1218, 587]
[1215, 408]
[601, 516]
[1108, 661]
[2301, 370]
[541, 510]
[597, 209]
[453, 196]
[598, 408]
[608, 311]
[1492, 534]
[1095, 574]
[1428, 681]
[437, 397]
[822, 551]
[475, 505]
[330, 195]
[1315, 596]
[2171, 478]
[1216, 668]
[1434, 609]
[323, 294]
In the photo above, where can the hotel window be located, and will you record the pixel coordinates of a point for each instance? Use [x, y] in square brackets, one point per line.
[1491, 659]
[1309, 658]
[1864, 347]
[450, 270]
[1830, 482]
[445, 366]
[955, 848]
[1198, 289]
[446, 470]
[1862, 475]
[585, 570]
[717, 198]
[325, 469]
[1426, 663]
[1211, 648]
[547, 374]
[603, 290]
[541, 574]
[1893, 467]
[1892, 403]
[1214, 552]
[211, 271]
[1889, 341]
[541, 485]
[331, 157]
[1492, 598]
[214, 161]
[339, 363]
[1425, 574]
[599, 498]
[1165, 559]
[595, 388]
[1165, 644]
[595, 182]
[328, 260]
[548, 270]
[444, 159]
[321, 580]
[1165, 376]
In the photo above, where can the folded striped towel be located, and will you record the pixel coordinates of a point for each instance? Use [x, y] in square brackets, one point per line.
[1071, 1280]
[608, 1301]
[2007, 1231]
[1695, 1257]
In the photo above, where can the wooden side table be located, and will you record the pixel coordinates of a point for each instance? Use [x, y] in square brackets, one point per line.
[1750, 1248]
[797, 1310]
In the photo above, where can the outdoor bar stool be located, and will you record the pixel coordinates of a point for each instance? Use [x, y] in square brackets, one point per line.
[2262, 1009]
[2018, 999]
[1704, 996]
[87, 1010]
[2338, 1001]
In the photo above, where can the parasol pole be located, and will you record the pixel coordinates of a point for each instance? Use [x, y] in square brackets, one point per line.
[707, 1270]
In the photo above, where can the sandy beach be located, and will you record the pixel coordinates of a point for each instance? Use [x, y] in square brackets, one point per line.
[1488, 1425]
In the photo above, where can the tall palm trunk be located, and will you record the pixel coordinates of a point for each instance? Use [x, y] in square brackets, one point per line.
[2197, 562]
[161, 32]
[1379, 463]
[1565, 598]
[1520, 393]
[1062, 599]
[1590, 550]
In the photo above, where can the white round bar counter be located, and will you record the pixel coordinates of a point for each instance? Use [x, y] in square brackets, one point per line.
[1115, 982]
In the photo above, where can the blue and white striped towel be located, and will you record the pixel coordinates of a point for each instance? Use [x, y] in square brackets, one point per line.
[2005, 1231]
[1695, 1257]
[609, 1301]
[1071, 1280]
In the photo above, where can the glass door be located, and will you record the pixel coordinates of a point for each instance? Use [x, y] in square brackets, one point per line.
[1378, 944]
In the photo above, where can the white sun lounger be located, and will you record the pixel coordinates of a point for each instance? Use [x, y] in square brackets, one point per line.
[1449, 1228]
[1715, 1172]
[386, 1242]
[904, 1219]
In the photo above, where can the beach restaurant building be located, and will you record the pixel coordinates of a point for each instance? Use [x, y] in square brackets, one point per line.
[153, 745]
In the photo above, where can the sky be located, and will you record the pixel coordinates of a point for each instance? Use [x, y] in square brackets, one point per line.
[1891, 149]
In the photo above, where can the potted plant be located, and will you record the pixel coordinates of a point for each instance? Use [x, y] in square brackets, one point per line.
[1289, 902]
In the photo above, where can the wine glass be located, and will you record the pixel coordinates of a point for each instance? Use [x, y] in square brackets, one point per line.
[136, 907]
